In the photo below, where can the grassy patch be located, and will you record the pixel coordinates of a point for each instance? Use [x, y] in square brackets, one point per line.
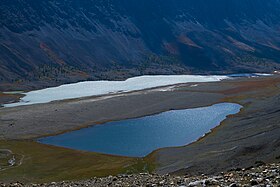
[40, 163]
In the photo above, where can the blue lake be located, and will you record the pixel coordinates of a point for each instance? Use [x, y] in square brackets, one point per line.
[139, 137]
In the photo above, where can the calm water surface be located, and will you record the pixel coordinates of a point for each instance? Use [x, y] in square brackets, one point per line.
[94, 88]
[139, 137]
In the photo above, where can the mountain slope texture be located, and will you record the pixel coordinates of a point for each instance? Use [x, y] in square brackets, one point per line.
[45, 43]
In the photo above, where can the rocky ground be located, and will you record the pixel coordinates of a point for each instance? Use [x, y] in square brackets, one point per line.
[262, 175]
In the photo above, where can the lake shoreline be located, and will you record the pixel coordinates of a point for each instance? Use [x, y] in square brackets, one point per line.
[132, 84]
[206, 94]
[139, 137]
[80, 113]
[232, 144]
[130, 98]
[97, 88]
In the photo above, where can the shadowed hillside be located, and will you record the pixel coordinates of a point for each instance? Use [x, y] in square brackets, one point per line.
[44, 43]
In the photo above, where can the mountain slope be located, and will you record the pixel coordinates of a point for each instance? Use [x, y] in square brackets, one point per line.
[56, 41]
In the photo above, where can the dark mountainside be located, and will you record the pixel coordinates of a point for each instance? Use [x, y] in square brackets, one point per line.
[49, 42]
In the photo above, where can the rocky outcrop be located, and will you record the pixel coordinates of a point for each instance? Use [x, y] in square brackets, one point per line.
[263, 175]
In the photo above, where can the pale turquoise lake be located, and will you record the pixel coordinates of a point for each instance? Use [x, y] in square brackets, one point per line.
[139, 137]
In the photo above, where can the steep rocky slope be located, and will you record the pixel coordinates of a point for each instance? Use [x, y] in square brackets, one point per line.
[56, 41]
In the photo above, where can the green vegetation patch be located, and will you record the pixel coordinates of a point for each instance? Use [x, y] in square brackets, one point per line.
[39, 163]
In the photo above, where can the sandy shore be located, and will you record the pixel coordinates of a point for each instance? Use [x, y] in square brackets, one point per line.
[243, 139]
